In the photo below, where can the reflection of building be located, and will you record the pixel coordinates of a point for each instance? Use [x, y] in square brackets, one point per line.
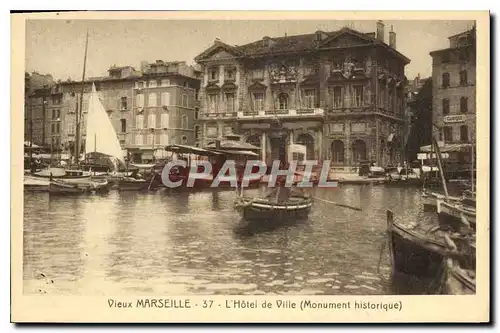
[419, 106]
[454, 89]
[339, 93]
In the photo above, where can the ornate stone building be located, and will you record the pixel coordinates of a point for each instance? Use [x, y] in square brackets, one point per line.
[340, 93]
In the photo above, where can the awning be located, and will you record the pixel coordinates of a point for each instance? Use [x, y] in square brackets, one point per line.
[447, 147]
[183, 149]
[238, 152]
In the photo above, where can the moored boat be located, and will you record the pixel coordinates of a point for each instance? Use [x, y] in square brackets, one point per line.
[415, 253]
[455, 214]
[293, 206]
[459, 281]
[62, 187]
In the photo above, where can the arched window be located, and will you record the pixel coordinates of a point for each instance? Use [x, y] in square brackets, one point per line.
[337, 151]
[358, 151]
[283, 101]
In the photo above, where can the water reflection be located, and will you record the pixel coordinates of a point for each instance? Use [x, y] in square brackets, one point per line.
[180, 243]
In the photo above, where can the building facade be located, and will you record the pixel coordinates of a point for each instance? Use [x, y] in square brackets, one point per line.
[454, 89]
[341, 94]
[149, 108]
[419, 105]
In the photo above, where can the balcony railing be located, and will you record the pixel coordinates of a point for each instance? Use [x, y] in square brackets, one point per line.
[281, 113]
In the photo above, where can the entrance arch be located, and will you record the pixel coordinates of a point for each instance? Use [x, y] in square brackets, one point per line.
[358, 151]
[337, 151]
[307, 140]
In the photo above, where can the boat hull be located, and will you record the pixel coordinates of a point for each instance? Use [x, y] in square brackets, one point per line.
[412, 253]
[263, 210]
[458, 282]
[449, 214]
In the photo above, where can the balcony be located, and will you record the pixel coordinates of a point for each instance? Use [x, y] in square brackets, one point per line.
[289, 113]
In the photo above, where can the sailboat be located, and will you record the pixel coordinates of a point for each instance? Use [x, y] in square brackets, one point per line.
[100, 137]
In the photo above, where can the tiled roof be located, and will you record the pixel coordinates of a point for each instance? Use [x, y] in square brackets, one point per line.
[293, 44]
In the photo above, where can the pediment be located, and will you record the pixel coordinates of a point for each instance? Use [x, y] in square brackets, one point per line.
[257, 86]
[229, 86]
[218, 51]
[346, 39]
[212, 86]
[221, 54]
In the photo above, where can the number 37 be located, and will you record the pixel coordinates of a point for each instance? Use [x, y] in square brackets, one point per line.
[207, 304]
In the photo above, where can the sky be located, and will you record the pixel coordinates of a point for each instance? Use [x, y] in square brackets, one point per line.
[57, 46]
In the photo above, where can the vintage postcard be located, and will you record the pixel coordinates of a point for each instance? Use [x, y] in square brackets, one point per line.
[250, 167]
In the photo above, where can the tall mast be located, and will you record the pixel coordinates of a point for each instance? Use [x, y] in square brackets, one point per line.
[79, 112]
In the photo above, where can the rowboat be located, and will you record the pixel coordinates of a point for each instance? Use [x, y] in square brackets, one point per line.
[68, 175]
[295, 207]
[61, 187]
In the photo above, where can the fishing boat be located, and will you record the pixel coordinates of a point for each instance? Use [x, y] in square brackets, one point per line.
[429, 200]
[62, 187]
[423, 253]
[292, 206]
[460, 277]
[459, 281]
[453, 214]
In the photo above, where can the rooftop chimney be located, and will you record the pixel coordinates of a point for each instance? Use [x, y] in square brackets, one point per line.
[392, 38]
[380, 30]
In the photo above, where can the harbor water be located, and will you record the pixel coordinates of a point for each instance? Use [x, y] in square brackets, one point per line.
[165, 243]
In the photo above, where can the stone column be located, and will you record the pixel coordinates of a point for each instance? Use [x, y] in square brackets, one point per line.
[377, 143]
[204, 134]
[221, 75]
[319, 134]
[347, 147]
[263, 146]
[205, 77]
[237, 95]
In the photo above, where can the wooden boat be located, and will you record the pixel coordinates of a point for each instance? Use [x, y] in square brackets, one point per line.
[295, 207]
[453, 214]
[430, 200]
[68, 175]
[414, 253]
[459, 281]
[58, 187]
[61, 187]
[424, 253]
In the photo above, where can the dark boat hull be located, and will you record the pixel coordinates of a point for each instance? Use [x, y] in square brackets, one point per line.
[449, 214]
[457, 281]
[412, 253]
[265, 210]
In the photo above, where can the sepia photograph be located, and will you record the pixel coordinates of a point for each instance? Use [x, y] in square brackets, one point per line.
[174, 160]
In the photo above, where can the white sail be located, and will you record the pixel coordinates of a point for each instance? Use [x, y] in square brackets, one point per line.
[101, 136]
